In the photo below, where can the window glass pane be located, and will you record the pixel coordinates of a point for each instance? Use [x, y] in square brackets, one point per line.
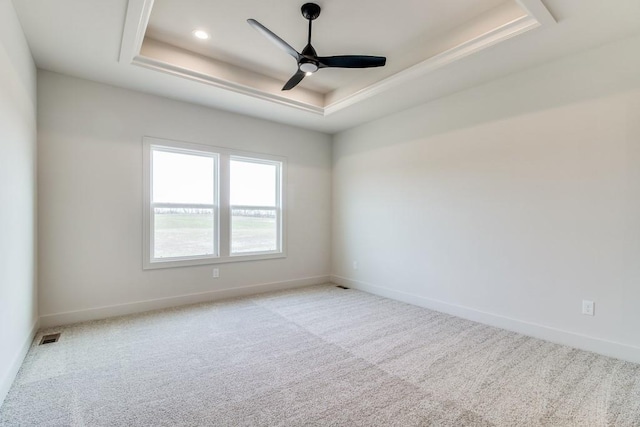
[254, 206]
[182, 178]
[253, 230]
[253, 184]
[183, 232]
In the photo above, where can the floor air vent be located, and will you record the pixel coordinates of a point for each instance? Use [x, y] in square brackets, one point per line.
[48, 339]
[341, 287]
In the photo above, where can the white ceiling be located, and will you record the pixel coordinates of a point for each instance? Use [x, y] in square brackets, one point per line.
[344, 27]
[83, 38]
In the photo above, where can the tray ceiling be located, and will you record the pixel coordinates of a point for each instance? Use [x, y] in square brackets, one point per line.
[416, 37]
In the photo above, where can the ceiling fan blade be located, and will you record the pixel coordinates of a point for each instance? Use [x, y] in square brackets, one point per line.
[274, 38]
[352, 61]
[293, 81]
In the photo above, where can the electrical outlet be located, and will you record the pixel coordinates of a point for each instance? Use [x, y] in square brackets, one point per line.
[216, 273]
[355, 265]
[588, 307]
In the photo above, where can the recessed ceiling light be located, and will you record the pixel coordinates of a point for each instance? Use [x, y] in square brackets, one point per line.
[200, 34]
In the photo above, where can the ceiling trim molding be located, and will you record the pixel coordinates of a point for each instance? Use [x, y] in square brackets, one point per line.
[139, 12]
[538, 11]
[490, 38]
[165, 67]
[135, 26]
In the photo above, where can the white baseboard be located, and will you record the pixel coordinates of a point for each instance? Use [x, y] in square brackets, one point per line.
[16, 363]
[69, 317]
[559, 336]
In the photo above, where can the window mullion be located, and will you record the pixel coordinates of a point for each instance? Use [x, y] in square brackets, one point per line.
[279, 206]
[224, 207]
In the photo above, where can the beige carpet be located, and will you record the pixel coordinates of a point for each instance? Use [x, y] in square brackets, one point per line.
[318, 356]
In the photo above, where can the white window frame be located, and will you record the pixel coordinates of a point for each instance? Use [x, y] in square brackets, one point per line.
[222, 208]
[277, 207]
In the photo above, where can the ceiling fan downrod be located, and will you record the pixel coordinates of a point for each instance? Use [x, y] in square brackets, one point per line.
[308, 64]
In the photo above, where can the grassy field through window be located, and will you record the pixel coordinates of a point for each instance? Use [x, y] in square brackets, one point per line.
[191, 234]
[183, 234]
[253, 234]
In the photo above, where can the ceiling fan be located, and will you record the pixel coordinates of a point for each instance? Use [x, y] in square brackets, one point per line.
[308, 60]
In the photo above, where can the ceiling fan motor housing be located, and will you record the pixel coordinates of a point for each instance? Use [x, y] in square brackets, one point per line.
[308, 63]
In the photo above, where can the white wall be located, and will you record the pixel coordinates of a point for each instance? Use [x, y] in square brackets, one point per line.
[509, 203]
[90, 200]
[18, 301]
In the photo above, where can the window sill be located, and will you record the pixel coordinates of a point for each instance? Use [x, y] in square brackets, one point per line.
[211, 261]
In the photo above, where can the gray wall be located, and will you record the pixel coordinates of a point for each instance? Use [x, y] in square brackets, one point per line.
[18, 301]
[90, 186]
[509, 203]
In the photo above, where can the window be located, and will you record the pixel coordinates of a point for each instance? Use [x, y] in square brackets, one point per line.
[254, 206]
[208, 205]
[183, 204]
